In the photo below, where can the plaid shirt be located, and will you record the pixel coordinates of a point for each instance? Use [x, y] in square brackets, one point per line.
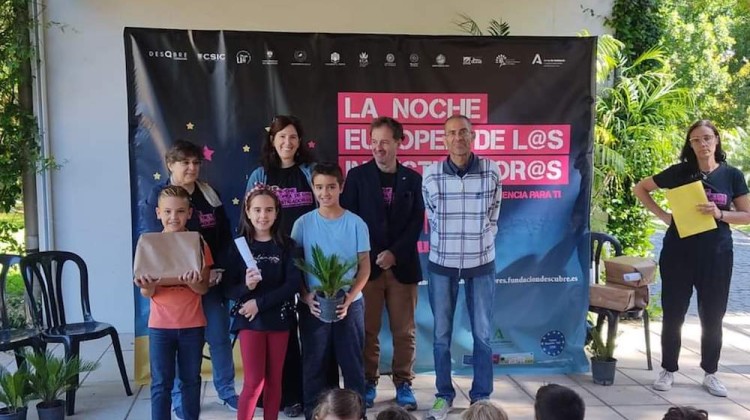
[463, 213]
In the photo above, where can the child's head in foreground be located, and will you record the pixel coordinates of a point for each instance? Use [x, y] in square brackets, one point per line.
[339, 404]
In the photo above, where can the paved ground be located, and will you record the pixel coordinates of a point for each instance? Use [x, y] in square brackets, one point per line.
[102, 395]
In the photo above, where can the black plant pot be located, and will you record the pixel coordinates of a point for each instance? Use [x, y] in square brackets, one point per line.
[328, 306]
[603, 371]
[19, 414]
[54, 410]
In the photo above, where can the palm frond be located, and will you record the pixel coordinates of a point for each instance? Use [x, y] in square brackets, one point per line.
[330, 270]
[496, 28]
[467, 25]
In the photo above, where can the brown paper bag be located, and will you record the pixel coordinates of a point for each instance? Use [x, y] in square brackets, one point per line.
[168, 255]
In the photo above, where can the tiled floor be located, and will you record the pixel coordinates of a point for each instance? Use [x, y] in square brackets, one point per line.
[102, 396]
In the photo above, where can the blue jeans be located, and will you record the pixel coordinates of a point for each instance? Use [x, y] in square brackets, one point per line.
[219, 346]
[344, 339]
[443, 293]
[166, 346]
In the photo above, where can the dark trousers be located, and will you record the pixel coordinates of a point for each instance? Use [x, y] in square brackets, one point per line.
[184, 345]
[709, 272]
[321, 342]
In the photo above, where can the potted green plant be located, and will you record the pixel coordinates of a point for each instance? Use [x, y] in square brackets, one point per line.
[15, 393]
[50, 377]
[603, 363]
[330, 270]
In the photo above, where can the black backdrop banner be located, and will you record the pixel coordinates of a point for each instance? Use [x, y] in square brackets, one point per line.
[530, 100]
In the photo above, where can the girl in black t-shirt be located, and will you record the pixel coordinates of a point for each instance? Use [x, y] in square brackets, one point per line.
[702, 261]
[264, 294]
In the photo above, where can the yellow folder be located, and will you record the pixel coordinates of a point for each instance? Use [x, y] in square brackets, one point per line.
[683, 201]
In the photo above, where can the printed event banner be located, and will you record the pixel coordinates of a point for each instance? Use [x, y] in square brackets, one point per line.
[530, 100]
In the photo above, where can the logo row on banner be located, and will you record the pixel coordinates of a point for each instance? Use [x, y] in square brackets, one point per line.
[363, 59]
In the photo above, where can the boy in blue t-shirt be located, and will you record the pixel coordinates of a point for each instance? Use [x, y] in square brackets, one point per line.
[336, 231]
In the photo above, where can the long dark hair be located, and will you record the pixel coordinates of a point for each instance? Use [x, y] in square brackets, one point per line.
[246, 227]
[687, 155]
[268, 156]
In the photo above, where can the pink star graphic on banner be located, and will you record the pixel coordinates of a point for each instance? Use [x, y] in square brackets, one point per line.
[208, 154]
[311, 144]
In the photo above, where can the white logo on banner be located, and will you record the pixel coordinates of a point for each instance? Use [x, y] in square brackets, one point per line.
[363, 59]
[468, 61]
[335, 57]
[171, 55]
[547, 62]
[503, 60]
[269, 61]
[211, 56]
[440, 61]
[414, 60]
[243, 57]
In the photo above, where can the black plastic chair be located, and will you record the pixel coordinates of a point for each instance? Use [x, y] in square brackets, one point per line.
[598, 240]
[45, 271]
[14, 338]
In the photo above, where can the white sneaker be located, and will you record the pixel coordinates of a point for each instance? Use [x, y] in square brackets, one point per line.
[664, 381]
[714, 386]
[439, 410]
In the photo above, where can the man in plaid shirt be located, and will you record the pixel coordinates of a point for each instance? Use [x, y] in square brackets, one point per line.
[462, 197]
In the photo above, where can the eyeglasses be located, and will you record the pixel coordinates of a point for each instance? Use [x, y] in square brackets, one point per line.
[707, 139]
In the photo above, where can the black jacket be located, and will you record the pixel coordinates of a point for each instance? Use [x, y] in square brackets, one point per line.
[274, 294]
[395, 228]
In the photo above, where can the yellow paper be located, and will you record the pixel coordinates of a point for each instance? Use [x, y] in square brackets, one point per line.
[683, 201]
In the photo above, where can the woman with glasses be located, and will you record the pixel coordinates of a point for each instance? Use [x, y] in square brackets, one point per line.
[703, 261]
[184, 160]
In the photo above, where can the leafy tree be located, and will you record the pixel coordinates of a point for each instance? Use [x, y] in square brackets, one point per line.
[638, 24]
[699, 44]
[19, 148]
[637, 120]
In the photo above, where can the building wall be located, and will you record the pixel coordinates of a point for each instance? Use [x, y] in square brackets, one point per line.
[87, 101]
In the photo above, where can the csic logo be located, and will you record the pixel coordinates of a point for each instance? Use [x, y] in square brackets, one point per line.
[468, 61]
[243, 57]
[171, 55]
[503, 60]
[363, 59]
[211, 56]
[414, 60]
[270, 61]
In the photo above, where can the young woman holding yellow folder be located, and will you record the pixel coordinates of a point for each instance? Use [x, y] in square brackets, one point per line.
[702, 261]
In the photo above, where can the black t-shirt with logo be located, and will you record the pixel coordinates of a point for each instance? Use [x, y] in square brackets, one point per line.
[722, 186]
[387, 183]
[294, 193]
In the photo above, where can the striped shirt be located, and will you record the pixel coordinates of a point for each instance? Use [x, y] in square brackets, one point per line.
[463, 213]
